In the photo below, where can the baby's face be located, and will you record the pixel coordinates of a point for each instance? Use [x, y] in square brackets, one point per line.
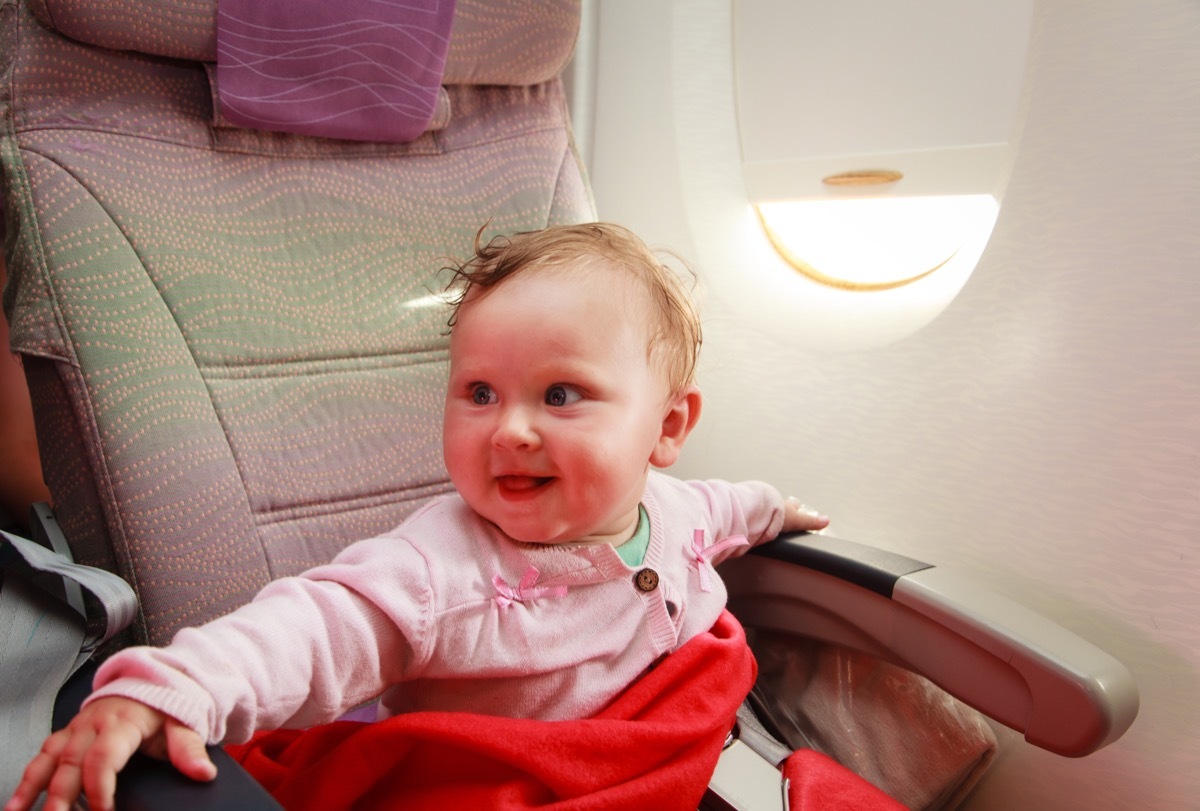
[553, 412]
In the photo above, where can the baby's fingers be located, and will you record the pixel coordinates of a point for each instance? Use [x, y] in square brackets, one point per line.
[802, 518]
[107, 755]
[185, 750]
[40, 772]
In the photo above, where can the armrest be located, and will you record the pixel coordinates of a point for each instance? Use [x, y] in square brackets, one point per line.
[1063, 693]
[152, 784]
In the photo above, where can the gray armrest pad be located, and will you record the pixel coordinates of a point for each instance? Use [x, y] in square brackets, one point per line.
[1063, 693]
[1080, 699]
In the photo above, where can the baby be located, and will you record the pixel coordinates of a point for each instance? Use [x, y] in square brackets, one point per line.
[561, 568]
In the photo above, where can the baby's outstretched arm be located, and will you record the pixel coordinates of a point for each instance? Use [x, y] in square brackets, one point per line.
[87, 754]
[798, 518]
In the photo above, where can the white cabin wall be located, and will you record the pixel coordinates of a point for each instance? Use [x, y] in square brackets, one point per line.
[1042, 435]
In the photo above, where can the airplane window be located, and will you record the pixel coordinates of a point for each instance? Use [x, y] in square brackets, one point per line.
[876, 243]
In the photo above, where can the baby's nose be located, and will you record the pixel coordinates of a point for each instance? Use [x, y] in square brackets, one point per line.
[516, 429]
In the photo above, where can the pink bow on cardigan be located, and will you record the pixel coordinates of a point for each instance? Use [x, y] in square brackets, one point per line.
[525, 591]
[703, 556]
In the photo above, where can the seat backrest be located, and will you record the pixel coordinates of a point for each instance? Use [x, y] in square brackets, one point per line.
[232, 337]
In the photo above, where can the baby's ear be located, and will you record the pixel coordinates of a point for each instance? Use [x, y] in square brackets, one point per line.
[678, 422]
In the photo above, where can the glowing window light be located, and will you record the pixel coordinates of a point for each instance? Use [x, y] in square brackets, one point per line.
[876, 243]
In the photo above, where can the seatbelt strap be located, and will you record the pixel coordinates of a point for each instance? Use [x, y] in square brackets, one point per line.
[45, 638]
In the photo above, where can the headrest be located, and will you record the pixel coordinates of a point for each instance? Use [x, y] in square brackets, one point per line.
[502, 42]
[359, 69]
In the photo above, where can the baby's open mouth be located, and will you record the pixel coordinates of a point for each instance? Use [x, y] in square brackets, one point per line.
[522, 484]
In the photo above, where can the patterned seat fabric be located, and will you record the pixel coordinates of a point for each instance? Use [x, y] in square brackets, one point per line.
[233, 338]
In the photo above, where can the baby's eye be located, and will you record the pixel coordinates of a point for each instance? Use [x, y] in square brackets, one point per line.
[482, 394]
[562, 396]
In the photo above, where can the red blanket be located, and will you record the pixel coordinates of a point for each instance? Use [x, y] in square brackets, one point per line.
[819, 783]
[654, 747]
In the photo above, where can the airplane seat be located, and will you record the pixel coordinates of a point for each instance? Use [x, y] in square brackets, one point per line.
[231, 335]
[227, 309]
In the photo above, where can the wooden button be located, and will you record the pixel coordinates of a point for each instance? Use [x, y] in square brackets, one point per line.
[646, 580]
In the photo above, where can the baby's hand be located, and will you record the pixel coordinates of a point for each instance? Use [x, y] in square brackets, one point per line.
[799, 518]
[97, 744]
